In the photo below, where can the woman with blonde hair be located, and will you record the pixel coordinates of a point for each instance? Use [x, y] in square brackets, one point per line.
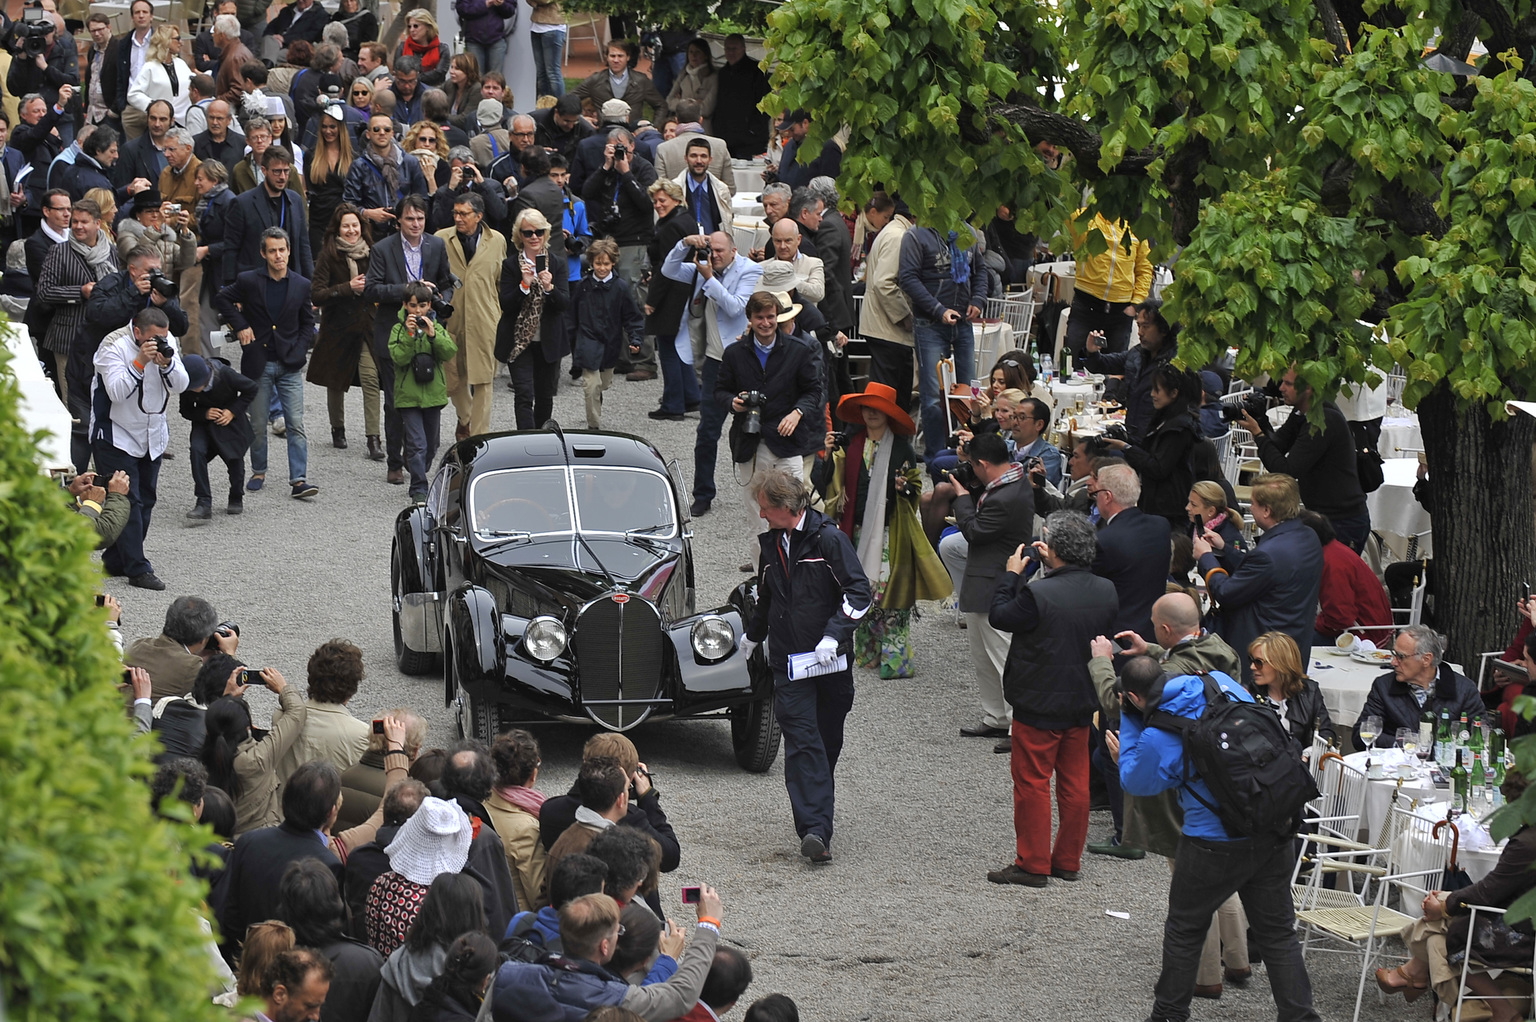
[1279, 680]
[1209, 515]
[532, 337]
[104, 198]
[164, 74]
[424, 140]
[422, 42]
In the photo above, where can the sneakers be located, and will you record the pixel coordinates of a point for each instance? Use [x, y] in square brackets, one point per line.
[279, 426]
[1013, 874]
[303, 490]
[200, 513]
[148, 580]
[1115, 848]
[815, 849]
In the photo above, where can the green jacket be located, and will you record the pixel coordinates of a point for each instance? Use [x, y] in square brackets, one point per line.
[108, 519]
[1154, 823]
[402, 348]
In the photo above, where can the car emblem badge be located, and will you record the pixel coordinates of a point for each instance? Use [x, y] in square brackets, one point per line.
[620, 598]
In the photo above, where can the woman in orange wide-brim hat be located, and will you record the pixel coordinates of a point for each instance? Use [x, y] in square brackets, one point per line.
[871, 484]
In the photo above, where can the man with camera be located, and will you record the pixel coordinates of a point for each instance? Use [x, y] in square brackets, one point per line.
[464, 178]
[770, 382]
[44, 60]
[138, 372]
[409, 255]
[112, 305]
[1053, 618]
[274, 321]
[1323, 464]
[721, 280]
[191, 633]
[1158, 343]
[995, 513]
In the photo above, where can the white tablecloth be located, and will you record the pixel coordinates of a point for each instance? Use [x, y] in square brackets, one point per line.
[749, 204]
[1345, 684]
[1393, 509]
[1400, 438]
[1378, 793]
[1070, 390]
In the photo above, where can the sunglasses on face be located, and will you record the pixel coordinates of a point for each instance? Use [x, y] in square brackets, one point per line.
[1257, 664]
[380, 128]
[532, 234]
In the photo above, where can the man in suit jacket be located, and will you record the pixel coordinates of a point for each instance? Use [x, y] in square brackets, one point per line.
[145, 156]
[35, 140]
[273, 204]
[834, 244]
[412, 254]
[221, 141]
[247, 892]
[99, 85]
[1133, 548]
[993, 522]
[216, 402]
[707, 197]
[672, 155]
[1275, 586]
[274, 321]
[540, 192]
[132, 49]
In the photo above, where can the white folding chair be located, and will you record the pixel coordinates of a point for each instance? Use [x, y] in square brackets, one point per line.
[1402, 617]
[1470, 964]
[1342, 799]
[946, 373]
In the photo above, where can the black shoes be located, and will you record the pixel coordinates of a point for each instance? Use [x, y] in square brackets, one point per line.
[1069, 875]
[200, 513]
[1012, 874]
[815, 849]
[148, 580]
[983, 731]
[1004, 747]
[698, 507]
[662, 416]
[339, 439]
[303, 490]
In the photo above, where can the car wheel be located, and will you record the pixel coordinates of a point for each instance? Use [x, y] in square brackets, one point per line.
[474, 718]
[409, 660]
[755, 735]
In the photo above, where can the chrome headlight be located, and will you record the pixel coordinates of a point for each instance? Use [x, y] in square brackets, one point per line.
[713, 637]
[545, 638]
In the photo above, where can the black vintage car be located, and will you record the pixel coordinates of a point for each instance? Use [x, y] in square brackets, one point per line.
[551, 576]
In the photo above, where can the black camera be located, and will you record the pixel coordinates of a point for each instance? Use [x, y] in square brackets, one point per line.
[840, 440]
[163, 346]
[697, 252]
[754, 402]
[33, 31]
[442, 308]
[162, 285]
[965, 475]
[620, 153]
[1097, 448]
[1254, 405]
[224, 628]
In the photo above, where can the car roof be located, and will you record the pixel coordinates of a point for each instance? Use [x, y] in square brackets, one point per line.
[530, 448]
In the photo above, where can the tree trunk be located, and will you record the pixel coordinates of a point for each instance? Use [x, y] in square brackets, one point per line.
[1484, 530]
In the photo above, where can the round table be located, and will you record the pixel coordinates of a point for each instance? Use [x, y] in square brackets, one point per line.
[1400, 438]
[750, 204]
[1345, 682]
[1069, 391]
[1394, 511]
[1378, 792]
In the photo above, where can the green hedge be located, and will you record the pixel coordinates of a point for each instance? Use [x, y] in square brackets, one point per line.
[98, 913]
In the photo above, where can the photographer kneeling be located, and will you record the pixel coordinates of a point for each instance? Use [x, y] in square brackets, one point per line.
[770, 381]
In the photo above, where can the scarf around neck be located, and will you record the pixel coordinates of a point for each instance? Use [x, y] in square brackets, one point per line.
[390, 167]
[525, 798]
[353, 251]
[202, 203]
[430, 53]
[99, 255]
[872, 528]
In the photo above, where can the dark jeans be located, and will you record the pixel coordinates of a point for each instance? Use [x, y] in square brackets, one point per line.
[679, 385]
[1205, 874]
[78, 379]
[1090, 314]
[1354, 531]
[1110, 771]
[421, 427]
[811, 713]
[891, 364]
[126, 556]
[393, 440]
[706, 444]
[534, 382]
[204, 450]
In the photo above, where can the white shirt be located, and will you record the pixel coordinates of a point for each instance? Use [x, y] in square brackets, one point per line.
[140, 398]
[137, 52]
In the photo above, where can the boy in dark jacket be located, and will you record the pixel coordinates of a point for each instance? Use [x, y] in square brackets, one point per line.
[420, 396]
[215, 402]
[605, 311]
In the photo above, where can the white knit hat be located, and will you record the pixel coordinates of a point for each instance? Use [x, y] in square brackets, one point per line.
[434, 840]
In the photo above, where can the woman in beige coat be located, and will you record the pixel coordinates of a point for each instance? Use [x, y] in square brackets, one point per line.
[514, 807]
[245, 768]
[477, 310]
[698, 82]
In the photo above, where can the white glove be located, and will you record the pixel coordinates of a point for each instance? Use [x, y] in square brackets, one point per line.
[746, 646]
[826, 650]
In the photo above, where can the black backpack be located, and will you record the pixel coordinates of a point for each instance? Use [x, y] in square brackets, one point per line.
[1243, 754]
[179, 723]
[523, 943]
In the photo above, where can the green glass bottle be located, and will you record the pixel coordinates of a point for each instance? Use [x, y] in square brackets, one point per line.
[1459, 784]
[1476, 741]
[1477, 783]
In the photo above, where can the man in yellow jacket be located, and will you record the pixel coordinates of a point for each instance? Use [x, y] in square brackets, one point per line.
[1108, 285]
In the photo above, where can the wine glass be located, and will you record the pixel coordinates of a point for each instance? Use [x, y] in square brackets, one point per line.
[1370, 728]
[1407, 740]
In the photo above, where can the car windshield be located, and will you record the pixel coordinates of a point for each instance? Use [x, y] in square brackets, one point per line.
[527, 500]
[624, 500]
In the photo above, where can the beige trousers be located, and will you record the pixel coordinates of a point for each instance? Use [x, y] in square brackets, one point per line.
[192, 305]
[135, 122]
[471, 401]
[593, 383]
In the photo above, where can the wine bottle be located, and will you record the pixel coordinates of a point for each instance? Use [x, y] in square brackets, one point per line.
[1459, 784]
[1426, 730]
[1476, 744]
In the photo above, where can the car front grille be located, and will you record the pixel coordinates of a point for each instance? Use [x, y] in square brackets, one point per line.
[619, 647]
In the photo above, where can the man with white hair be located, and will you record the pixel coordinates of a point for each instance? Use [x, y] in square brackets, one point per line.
[177, 185]
[834, 244]
[1129, 546]
[1419, 680]
[206, 51]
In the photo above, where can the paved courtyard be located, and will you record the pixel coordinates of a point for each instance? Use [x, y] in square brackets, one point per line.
[901, 926]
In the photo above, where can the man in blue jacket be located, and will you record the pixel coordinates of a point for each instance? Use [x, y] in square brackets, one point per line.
[1211, 863]
[947, 286]
[1274, 588]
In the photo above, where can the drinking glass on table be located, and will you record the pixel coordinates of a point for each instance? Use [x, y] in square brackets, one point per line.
[1407, 740]
[1370, 728]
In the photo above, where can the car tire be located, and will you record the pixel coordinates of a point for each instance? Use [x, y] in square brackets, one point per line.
[755, 732]
[473, 718]
[409, 660]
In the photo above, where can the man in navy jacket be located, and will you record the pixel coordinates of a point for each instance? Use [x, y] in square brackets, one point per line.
[274, 322]
[947, 286]
[811, 596]
[1130, 543]
[1274, 588]
[273, 204]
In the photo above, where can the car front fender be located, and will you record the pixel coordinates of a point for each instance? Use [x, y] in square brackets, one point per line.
[474, 629]
[728, 674]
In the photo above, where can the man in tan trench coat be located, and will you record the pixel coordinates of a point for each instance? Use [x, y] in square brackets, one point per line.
[475, 255]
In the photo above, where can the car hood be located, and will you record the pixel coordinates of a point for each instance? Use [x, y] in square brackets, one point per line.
[563, 567]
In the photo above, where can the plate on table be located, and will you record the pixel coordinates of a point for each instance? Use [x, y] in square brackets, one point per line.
[1380, 657]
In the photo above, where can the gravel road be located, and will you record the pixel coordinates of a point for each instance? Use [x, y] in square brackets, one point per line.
[902, 925]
